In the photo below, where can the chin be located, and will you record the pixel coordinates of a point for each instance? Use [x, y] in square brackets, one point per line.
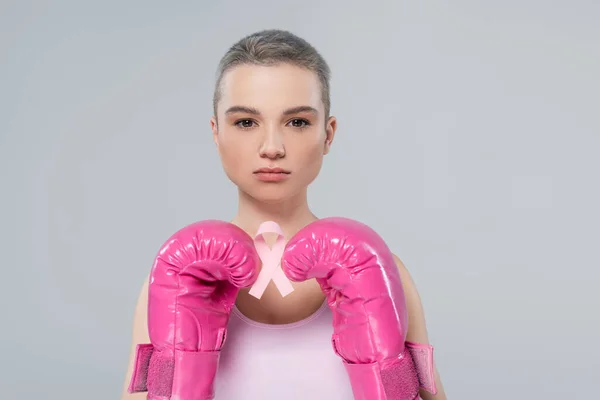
[271, 193]
[270, 196]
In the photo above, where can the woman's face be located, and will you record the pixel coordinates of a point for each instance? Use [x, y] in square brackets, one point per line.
[270, 130]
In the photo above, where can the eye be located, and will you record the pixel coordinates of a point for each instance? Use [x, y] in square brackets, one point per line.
[299, 123]
[244, 123]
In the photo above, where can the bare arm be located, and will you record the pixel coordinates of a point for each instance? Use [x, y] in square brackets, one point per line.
[417, 327]
[139, 335]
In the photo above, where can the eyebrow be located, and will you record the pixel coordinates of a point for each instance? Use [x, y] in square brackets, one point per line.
[254, 111]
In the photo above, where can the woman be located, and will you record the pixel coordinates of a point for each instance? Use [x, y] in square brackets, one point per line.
[272, 127]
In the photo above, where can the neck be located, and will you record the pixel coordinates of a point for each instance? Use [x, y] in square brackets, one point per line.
[291, 214]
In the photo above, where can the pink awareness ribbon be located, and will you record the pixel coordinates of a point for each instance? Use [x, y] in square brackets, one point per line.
[271, 260]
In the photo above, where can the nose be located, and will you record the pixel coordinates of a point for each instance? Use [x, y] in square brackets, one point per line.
[272, 145]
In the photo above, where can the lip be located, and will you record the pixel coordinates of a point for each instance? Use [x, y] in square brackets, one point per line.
[271, 174]
[271, 171]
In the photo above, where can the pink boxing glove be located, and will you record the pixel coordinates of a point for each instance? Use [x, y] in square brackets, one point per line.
[193, 286]
[358, 274]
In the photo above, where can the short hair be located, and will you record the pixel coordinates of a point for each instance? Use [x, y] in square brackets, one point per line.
[271, 47]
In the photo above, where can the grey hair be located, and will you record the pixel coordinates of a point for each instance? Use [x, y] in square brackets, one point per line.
[272, 47]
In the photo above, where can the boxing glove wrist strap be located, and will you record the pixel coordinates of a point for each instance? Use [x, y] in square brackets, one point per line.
[422, 355]
[396, 380]
[158, 373]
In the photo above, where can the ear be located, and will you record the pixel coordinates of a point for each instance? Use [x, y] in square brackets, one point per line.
[330, 129]
[215, 130]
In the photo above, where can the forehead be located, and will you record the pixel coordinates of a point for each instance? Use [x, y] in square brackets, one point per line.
[270, 88]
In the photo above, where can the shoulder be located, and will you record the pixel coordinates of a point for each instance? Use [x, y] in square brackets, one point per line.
[401, 266]
[407, 280]
[140, 316]
[417, 327]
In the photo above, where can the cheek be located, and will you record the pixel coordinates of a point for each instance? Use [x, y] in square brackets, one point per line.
[232, 153]
[230, 145]
[312, 157]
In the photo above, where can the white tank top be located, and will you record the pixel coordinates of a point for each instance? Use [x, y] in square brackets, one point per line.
[292, 361]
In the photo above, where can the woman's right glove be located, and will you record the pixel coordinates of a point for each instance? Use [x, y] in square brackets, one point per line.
[193, 287]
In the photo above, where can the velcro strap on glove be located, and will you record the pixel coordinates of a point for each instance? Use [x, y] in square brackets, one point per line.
[179, 375]
[141, 364]
[422, 355]
[396, 380]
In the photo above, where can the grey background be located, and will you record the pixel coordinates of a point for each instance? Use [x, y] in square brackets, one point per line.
[477, 129]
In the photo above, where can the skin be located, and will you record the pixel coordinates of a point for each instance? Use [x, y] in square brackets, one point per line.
[274, 117]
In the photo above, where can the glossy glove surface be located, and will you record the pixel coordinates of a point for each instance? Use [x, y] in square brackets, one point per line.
[193, 286]
[358, 274]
